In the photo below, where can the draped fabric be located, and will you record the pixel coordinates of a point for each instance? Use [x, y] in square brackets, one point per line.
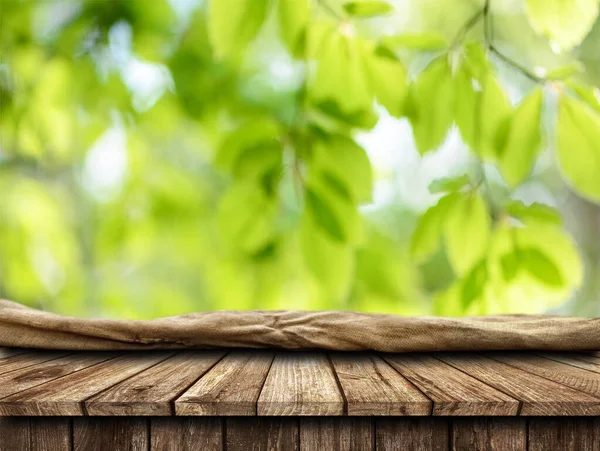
[22, 326]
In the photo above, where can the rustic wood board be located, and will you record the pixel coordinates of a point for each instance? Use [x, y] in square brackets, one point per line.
[411, 434]
[65, 395]
[30, 376]
[372, 387]
[502, 434]
[300, 384]
[186, 434]
[231, 387]
[151, 391]
[538, 395]
[24, 360]
[115, 433]
[453, 392]
[568, 375]
[342, 434]
[269, 383]
[586, 362]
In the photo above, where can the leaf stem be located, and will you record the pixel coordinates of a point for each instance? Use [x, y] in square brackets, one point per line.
[323, 4]
[469, 24]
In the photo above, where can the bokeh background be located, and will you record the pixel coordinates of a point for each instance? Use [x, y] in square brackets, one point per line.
[112, 112]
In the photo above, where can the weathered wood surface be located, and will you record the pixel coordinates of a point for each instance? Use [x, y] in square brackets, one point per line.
[299, 434]
[273, 383]
[300, 384]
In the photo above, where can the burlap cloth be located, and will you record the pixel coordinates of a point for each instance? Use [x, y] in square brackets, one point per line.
[21, 326]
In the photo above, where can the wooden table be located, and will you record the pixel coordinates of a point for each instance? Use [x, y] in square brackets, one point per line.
[243, 400]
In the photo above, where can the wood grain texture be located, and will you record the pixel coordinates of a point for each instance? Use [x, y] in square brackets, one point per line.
[9, 352]
[103, 434]
[453, 392]
[65, 396]
[300, 384]
[538, 396]
[574, 377]
[186, 434]
[411, 434]
[372, 387]
[231, 387]
[20, 361]
[490, 434]
[31, 376]
[564, 434]
[151, 391]
[35, 434]
[586, 362]
[336, 434]
[261, 434]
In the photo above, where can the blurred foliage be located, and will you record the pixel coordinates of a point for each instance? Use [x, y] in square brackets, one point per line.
[177, 155]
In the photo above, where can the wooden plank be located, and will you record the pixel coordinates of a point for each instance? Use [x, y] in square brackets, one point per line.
[150, 392]
[65, 396]
[231, 387]
[372, 387]
[493, 434]
[340, 434]
[411, 434]
[577, 378]
[24, 360]
[116, 433]
[9, 352]
[538, 396]
[300, 384]
[261, 434]
[563, 434]
[31, 376]
[453, 392]
[35, 434]
[586, 362]
[186, 434]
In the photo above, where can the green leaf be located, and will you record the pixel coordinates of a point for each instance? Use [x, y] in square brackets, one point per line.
[540, 266]
[467, 232]
[349, 162]
[566, 23]
[245, 217]
[510, 266]
[589, 94]
[293, 16]
[419, 41]
[340, 86]
[535, 212]
[429, 105]
[449, 184]
[565, 72]
[324, 215]
[426, 238]
[330, 209]
[232, 24]
[474, 284]
[482, 105]
[387, 77]
[367, 8]
[330, 262]
[521, 139]
[579, 146]
[254, 134]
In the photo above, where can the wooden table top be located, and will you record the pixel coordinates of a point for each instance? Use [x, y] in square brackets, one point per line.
[274, 383]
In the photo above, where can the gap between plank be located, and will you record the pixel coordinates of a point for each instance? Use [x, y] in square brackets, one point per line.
[339, 385]
[60, 377]
[182, 391]
[275, 354]
[82, 402]
[547, 378]
[430, 414]
[520, 403]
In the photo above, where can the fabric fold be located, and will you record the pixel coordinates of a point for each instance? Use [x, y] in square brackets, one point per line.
[21, 326]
